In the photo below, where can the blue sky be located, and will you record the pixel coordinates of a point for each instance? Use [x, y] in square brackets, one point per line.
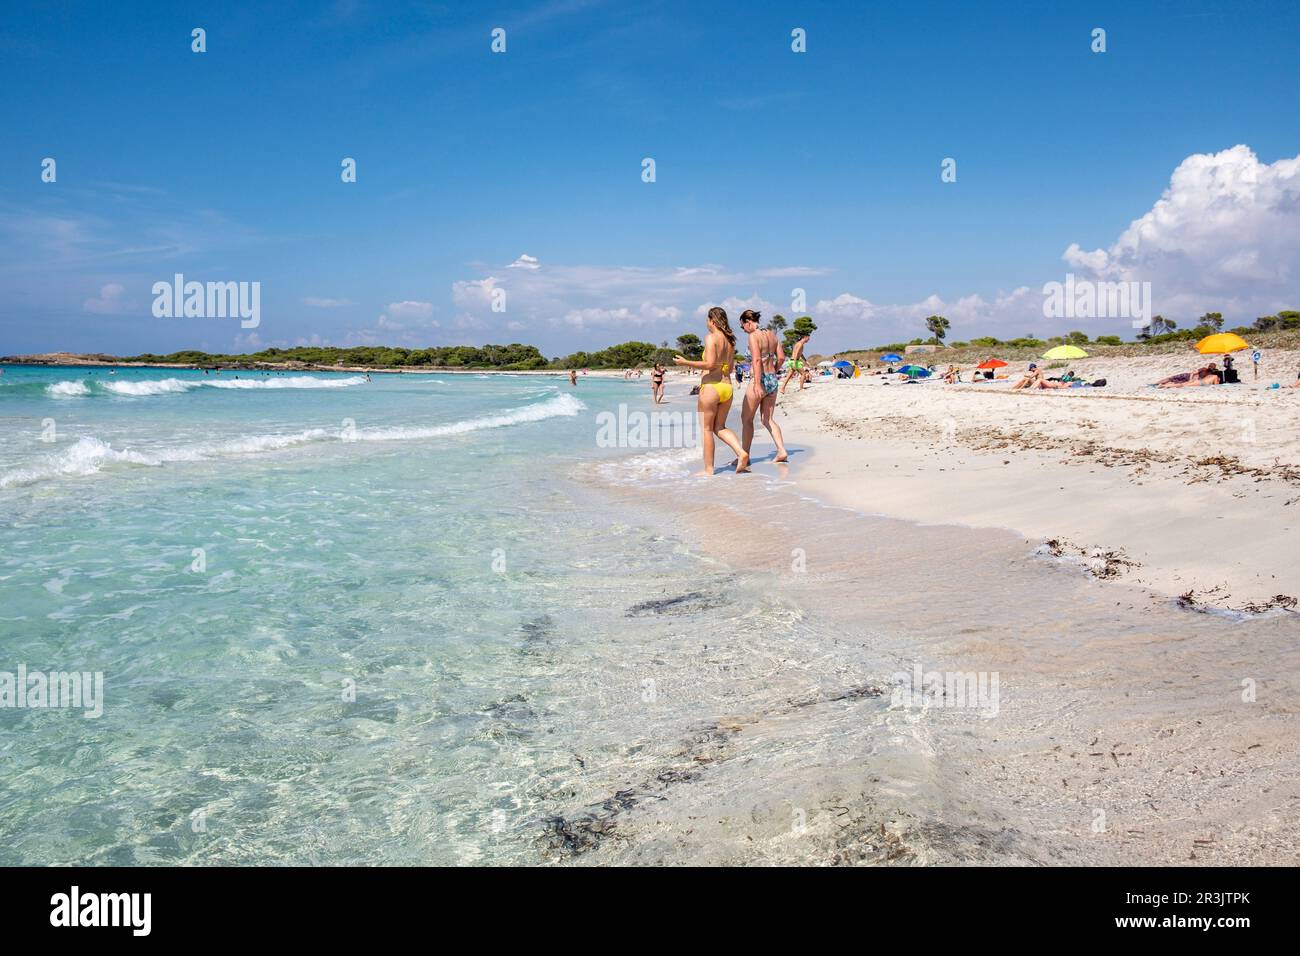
[775, 170]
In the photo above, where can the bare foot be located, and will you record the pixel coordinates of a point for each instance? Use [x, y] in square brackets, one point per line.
[702, 474]
[742, 463]
[782, 457]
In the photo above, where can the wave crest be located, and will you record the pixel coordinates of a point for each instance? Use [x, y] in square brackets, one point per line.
[89, 454]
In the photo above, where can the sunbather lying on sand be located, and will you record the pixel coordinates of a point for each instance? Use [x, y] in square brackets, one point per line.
[1209, 375]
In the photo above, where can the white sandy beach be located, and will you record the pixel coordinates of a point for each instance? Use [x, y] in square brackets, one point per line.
[1135, 728]
[1189, 491]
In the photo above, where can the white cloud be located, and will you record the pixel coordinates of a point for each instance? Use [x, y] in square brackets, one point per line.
[1224, 235]
[851, 319]
[474, 294]
[735, 306]
[846, 307]
[402, 323]
[410, 310]
[591, 294]
[646, 315]
[791, 272]
[110, 301]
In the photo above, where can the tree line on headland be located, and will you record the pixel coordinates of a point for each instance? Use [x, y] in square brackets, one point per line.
[517, 357]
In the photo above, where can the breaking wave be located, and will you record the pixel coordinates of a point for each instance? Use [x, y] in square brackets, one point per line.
[88, 455]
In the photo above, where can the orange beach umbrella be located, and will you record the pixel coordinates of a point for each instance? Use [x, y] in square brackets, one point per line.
[1221, 343]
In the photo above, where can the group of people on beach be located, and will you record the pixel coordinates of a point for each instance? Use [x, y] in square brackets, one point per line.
[767, 356]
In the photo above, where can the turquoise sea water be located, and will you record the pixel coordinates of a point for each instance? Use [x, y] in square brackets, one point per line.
[348, 621]
[387, 533]
[434, 619]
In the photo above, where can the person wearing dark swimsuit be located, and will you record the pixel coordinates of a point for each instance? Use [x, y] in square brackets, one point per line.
[657, 383]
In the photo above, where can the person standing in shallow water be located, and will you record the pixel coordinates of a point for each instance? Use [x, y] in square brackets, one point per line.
[657, 383]
[766, 356]
[715, 390]
[573, 377]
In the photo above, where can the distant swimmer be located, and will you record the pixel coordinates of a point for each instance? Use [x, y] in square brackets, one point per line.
[715, 389]
[573, 377]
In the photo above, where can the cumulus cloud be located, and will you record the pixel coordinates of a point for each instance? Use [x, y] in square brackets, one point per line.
[849, 318]
[647, 315]
[1225, 235]
[406, 315]
[474, 293]
[735, 306]
[557, 290]
[613, 302]
[110, 301]
[847, 308]
[410, 310]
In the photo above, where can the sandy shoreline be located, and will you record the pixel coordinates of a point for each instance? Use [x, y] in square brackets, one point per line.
[1132, 729]
[1184, 491]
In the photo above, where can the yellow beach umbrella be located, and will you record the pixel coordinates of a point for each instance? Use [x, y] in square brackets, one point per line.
[1221, 343]
[1065, 352]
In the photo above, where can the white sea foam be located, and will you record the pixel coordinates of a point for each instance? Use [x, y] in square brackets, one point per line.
[674, 463]
[85, 457]
[167, 386]
[67, 389]
[560, 405]
[89, 454]
[160, 386]
[293, 381]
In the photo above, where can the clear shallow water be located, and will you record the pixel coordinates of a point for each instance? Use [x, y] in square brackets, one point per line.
[555, 656]
[520, 643]
[350, 530]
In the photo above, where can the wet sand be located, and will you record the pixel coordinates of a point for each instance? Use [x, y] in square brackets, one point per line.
[1128, 728]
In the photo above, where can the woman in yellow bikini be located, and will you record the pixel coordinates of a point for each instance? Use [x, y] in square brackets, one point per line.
[715, 389]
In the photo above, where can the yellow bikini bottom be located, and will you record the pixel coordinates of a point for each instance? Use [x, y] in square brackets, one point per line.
[723, 389]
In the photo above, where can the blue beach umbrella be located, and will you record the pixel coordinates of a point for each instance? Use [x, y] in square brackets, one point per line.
[915, 371]
[843, 364]
[891, 357]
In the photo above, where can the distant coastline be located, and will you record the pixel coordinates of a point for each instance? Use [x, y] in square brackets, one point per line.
[97, 360]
